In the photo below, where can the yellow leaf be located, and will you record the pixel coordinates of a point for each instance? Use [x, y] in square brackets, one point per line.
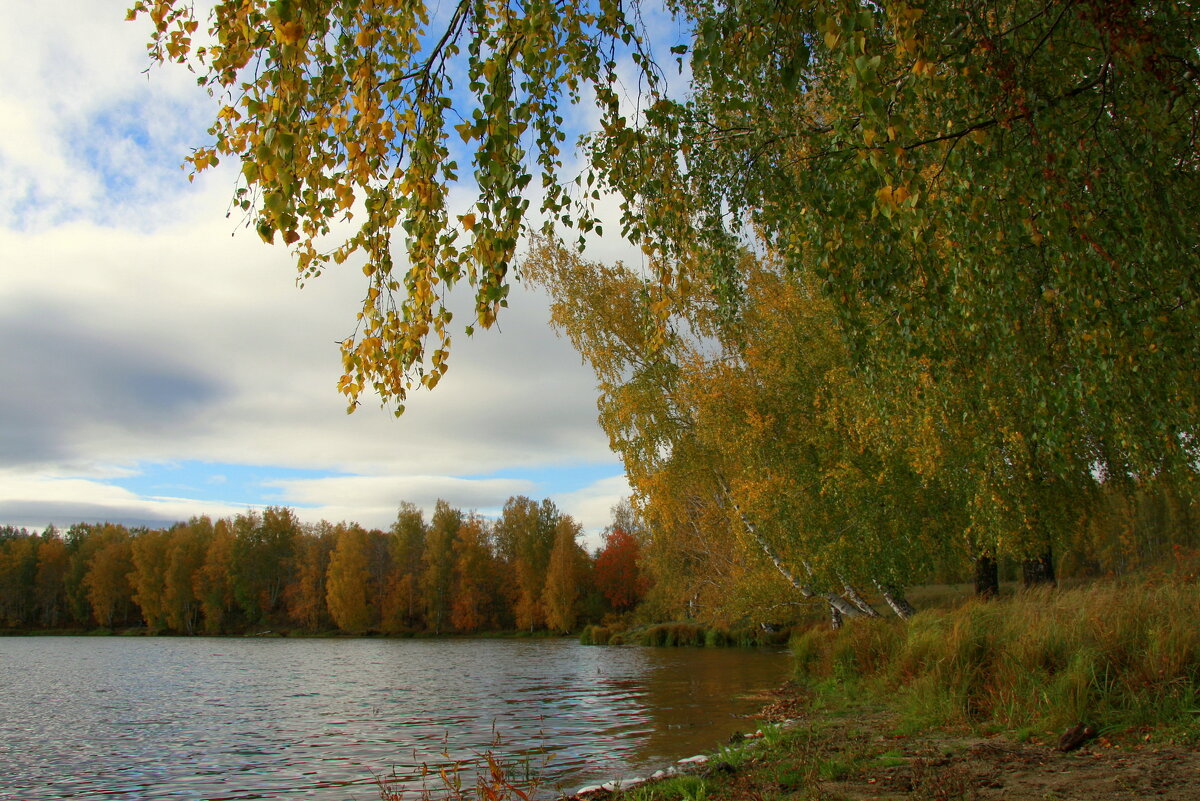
[289, 33]
[468, 221]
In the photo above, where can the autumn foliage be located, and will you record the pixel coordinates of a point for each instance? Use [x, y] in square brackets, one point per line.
[456, 573]
[617, 575]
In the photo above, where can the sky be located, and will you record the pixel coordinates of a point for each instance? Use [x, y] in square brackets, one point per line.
[158, 361]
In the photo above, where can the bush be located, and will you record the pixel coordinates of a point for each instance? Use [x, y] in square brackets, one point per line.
[601, 635]
[672, 634]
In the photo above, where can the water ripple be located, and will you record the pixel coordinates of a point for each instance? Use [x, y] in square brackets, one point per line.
[236, 719]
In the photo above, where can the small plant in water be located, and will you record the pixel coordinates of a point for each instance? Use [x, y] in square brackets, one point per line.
[493, 779]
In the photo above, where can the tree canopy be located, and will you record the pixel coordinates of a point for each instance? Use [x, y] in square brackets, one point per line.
[1001, 195]
[973, 224]
[350, 117]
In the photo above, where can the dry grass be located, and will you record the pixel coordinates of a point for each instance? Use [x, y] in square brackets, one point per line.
[1118, 654]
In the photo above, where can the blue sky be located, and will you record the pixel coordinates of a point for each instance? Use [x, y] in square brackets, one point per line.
[160, 363]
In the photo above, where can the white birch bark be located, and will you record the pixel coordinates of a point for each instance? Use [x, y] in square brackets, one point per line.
[862, 603]
[840, 605]
[896, 600]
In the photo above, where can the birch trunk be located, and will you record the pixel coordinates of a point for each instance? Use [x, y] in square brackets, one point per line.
[839, 605]
[896, 600]
[864, 606]
[1039, 570]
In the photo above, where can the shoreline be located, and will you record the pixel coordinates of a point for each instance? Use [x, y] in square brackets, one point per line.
[862, 752]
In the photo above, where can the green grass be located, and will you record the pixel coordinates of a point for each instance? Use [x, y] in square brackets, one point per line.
[1119, 655]
[677, 788]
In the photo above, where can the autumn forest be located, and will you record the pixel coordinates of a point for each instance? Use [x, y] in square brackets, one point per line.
[267, 571]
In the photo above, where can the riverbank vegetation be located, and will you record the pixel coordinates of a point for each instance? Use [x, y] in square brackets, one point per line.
[1076, 694]
[1118, 655]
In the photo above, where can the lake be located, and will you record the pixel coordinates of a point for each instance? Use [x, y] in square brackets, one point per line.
[233, 718]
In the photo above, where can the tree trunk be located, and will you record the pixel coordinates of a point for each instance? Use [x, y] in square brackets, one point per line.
[895, 599]
[853, 597]
[1039, 570]
[835, 618]
[987, 577]
[837, 603]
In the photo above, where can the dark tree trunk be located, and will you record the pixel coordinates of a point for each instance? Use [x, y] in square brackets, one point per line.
[1038, 570]
[987, 577]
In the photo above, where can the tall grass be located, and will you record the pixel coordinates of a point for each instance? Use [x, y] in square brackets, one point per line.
[1116, 654]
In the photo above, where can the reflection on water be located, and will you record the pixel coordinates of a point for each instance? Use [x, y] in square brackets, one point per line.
[315, 719]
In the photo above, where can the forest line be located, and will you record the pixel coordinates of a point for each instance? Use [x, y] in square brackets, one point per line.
[460, 573]
[455, 573]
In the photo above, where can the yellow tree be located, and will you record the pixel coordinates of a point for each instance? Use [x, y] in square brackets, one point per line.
[791, 422]
[402, 602]
[53, 562]
[437, 579]
[663, 412]
[107, 579]
[349, 579]
[18, 573]
[213, 583]
[149, 576]
[474, 569]
[305, 595]
[561, 595]
[186, 549]
[524, 537]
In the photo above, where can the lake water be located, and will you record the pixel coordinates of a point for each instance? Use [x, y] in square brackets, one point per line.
[227, 718]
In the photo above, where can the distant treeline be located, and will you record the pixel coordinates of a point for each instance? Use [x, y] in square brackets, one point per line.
[462, 573]
[457, 572]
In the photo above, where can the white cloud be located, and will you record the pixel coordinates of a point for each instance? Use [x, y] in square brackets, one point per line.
[138, 329]
[40, 499]
[592, 505]
[78, 114]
